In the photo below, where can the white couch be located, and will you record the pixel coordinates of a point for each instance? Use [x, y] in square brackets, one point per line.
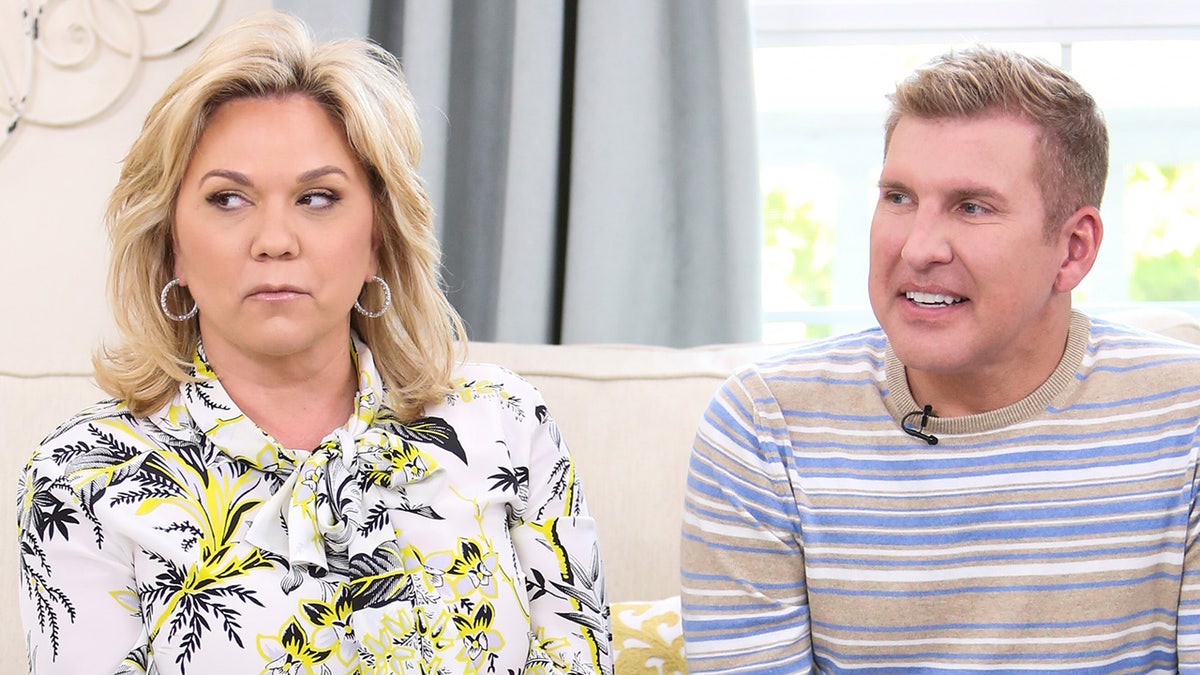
[628, 414]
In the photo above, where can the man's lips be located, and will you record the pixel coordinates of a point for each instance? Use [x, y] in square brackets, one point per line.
[925, 299]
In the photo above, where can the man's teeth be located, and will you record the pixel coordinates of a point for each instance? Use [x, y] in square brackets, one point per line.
[933, 298]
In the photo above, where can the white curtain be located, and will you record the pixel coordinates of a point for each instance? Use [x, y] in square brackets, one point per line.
[593, 164]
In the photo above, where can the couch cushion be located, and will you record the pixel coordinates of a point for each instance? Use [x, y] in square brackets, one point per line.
[648, 637]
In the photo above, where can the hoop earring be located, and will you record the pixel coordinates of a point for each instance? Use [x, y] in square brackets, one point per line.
[162, 302]
[387, 300]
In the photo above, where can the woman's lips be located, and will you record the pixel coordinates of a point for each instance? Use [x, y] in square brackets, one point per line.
[275, 293]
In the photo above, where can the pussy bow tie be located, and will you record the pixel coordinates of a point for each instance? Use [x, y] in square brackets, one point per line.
[336, 502]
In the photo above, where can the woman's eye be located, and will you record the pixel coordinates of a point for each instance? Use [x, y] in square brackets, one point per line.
[226, 200]
[318, 200]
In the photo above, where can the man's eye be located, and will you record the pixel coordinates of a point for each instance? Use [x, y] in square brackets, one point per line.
[897, 198]
[226, 200]
[973, 209]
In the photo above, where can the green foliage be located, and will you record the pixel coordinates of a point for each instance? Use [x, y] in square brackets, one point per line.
[1171, 276]
[1166, 258]
[801, 250]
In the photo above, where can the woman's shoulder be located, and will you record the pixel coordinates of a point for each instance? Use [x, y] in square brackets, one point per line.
[490, 373]
[105, 427]
[104, 410]
[487, 384]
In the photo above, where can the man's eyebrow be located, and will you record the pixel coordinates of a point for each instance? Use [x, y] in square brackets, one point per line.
[976, 192]
[893, 185]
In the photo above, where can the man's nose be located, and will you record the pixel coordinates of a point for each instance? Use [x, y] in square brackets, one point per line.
[928, 239]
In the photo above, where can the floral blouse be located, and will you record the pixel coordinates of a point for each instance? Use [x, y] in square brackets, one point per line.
[191, 542]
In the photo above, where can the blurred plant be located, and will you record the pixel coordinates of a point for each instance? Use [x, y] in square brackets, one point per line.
[1163, 231]
[798, 254]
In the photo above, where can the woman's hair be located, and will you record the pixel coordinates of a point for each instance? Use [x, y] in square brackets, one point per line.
[360, 84]
[1072, 163]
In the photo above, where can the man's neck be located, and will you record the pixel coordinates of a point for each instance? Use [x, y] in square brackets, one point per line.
[990, 386]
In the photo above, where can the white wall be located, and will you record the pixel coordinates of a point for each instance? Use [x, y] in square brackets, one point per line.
[54, 181]
[329, 20]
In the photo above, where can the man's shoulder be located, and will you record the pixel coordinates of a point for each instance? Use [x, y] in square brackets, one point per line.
[864, 348]
[842, 361]
[1162, 321]
[1114, 338]
[1131, 364]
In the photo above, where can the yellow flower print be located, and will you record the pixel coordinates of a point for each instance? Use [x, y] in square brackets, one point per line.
[409, 460]
[478, 641]
[468, 390]
[332, 620]
[472, 563]
[408, 643]
[424, 634]
[292, 653]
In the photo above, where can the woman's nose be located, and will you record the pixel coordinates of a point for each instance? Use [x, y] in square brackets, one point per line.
[274, 235]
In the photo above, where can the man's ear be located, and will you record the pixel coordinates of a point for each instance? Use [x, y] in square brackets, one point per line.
[1079, 239]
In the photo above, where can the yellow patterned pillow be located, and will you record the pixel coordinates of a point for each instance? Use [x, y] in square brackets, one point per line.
[648, 637]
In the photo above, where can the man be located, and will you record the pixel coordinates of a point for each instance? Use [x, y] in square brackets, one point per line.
[988, 481]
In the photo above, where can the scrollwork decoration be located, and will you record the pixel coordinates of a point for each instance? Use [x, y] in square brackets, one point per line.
[88, 36]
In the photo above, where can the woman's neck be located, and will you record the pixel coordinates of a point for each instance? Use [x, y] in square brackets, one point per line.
[297, 401]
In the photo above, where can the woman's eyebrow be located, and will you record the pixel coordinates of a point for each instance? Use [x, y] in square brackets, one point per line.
[313, 174]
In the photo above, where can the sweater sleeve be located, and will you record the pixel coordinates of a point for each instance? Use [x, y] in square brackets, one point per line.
[745, 605]
[1187, 635]
[78, 600]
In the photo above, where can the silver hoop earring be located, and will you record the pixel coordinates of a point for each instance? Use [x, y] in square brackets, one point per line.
[387, 300]
[162, 302]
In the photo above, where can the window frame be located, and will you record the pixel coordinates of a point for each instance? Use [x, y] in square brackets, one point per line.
[791, 23]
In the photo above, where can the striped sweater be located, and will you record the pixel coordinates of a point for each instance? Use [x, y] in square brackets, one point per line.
[1058, 534]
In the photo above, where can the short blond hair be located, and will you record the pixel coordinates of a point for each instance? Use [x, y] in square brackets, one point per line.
[1072, 163]
[360, 84]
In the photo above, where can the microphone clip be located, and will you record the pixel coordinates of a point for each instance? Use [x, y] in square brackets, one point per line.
[925, 414]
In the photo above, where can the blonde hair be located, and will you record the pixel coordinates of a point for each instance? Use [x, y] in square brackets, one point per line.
[414, 343]
[1072, 163]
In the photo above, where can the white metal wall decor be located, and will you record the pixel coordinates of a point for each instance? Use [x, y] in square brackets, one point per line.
[74, 37]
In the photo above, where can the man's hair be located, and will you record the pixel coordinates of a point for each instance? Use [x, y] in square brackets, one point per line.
[361, 87]
[1072, 158]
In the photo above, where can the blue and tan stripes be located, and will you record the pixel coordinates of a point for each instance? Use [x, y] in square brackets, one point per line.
[1058, 534]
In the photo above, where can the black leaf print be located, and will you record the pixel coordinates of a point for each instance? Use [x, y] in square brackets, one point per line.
[435, 431]
[58, 520]
[201, 391]
[510, 481]
[421, 510]
[585, 619]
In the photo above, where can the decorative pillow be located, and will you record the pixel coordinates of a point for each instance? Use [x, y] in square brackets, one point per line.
[648, 638]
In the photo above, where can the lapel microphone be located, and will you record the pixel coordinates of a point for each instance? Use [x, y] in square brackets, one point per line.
[919, 433]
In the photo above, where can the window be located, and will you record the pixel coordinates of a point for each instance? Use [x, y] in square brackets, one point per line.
[823, 68]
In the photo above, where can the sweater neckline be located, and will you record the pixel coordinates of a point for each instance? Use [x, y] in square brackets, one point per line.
[900, 400]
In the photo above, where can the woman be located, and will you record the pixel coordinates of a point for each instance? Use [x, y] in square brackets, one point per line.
[294, 476]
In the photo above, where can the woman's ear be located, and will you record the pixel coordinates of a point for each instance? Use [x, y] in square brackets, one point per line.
[1079, 239]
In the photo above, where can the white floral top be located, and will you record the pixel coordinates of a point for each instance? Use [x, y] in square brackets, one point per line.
[191, 542]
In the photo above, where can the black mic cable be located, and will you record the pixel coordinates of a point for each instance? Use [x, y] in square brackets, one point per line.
[919, 433]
